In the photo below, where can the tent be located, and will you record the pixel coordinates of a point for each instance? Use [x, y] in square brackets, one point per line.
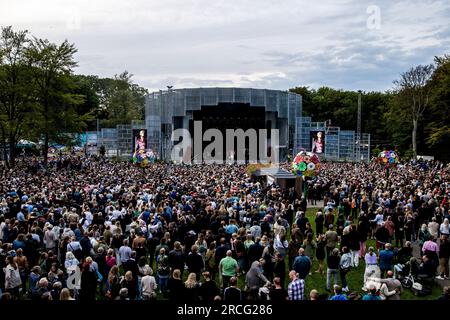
[26, 144]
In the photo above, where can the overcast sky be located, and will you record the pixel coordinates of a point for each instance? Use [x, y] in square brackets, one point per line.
[275, 44]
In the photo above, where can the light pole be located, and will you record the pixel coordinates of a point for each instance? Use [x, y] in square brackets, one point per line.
[358, 129]
[166, 136]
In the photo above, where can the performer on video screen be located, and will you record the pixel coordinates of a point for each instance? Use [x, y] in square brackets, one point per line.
[139, 150]
[318, 143]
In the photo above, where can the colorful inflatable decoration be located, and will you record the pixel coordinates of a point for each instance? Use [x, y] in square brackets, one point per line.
[388, 158]
[306, 164]
[142, 158]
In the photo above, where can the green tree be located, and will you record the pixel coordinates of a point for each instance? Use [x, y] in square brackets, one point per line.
[122, 99]
[87, 87]
[15, 101]
[53, 84]
[437, 127]
[414, 88]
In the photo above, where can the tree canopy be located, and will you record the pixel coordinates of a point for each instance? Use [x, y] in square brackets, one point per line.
[421, 97]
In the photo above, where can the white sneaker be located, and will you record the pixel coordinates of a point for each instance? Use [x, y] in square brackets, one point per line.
[439, 278]
[345, 289]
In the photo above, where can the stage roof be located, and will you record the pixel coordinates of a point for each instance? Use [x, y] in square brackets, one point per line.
[277, 173]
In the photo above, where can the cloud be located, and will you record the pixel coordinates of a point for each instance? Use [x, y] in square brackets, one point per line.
[252, 43]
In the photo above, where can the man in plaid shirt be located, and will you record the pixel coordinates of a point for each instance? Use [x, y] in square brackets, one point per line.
[296, 288]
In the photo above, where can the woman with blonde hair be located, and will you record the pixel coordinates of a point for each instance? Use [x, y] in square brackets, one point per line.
[192, 288]
[444, 228]
[113, 283]
[65, 295]
[168, 239]
[222, 210]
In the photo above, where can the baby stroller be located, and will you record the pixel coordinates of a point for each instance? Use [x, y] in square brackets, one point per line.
[408, 276]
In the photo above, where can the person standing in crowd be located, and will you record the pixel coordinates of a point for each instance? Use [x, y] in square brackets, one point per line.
[148, 285]
[371, 294]
[302, 264]
[194, 262]
[333, 262]
[232, 294]
[345, 266]
[280, 269]
[176, 287]
[13, 281]
[338, 295]
[124, 252]
[208, 289]
[192, 288]
[129, 283]
[392, 288]
[431, 249]
[444, 256]
[176, 257]
[88, 281]
[296, 288]
[277, 293]
[372, 269]
[255, 279]
[309, 246]
[320, 253]
[444, 228]
[386, 259]
[228, 267]
[331, 237]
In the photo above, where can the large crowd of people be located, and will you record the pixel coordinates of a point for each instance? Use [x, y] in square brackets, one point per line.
[87, 228]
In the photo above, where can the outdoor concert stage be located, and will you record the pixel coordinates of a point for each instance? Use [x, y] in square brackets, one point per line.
[223, 108]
